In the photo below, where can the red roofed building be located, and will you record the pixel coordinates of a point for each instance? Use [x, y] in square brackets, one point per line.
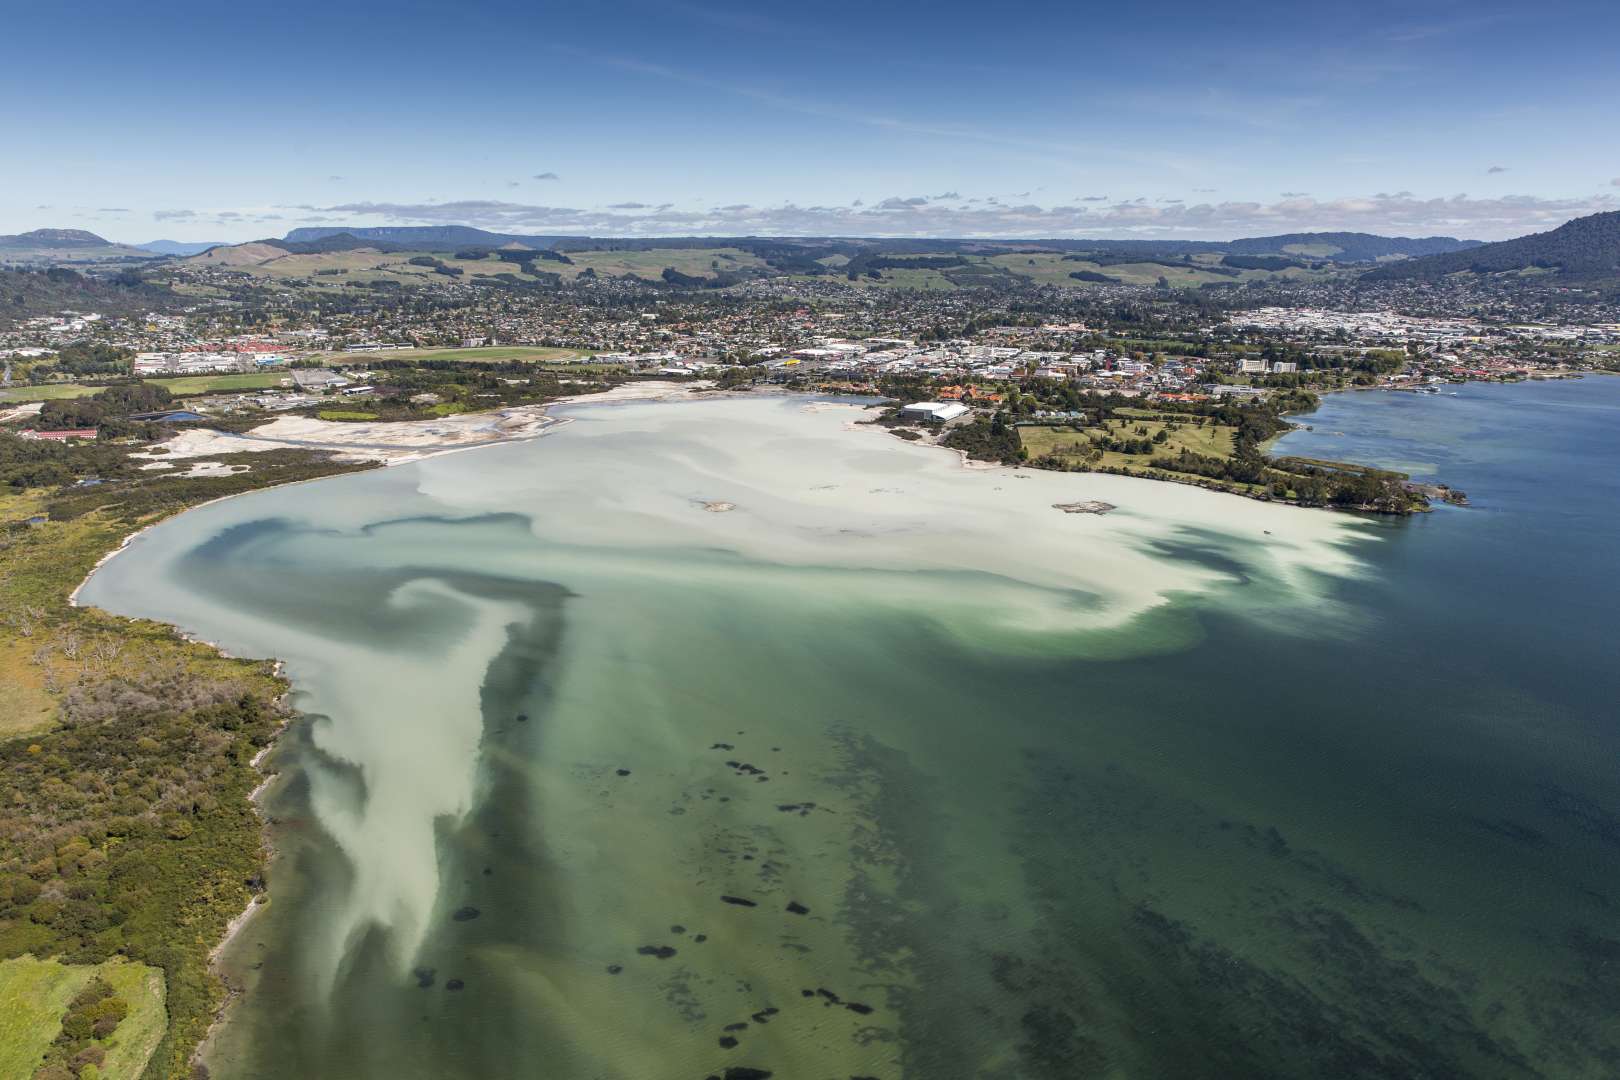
[61, 436]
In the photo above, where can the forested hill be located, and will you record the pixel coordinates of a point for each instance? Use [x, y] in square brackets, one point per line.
[1585, 250]
[25, 293]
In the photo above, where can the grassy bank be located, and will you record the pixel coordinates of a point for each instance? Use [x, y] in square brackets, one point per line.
[178, 385]
[37, 995]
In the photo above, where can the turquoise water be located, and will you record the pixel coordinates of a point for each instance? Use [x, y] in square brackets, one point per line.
[1201, 788]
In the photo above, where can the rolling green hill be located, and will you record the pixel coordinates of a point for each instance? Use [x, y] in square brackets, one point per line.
[329, 258]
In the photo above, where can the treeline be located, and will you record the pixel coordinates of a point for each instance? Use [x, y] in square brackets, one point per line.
[85, 358]
[871, 265]
[1140, 444]
[105, 408]
[722, 280]
[438, 266]
[987, 438]
[1259, 262]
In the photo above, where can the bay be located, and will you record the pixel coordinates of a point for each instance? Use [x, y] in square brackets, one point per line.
[1199, 787]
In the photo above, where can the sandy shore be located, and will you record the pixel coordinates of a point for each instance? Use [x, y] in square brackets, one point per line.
[398, 442]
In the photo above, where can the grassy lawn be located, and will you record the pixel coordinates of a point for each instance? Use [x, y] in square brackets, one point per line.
[130, 1047]
[33, 996]
[208, 384]
[651, 264]
[178, 384]
[1047, 268]
[35, 993]
[915, 280]
[1213, 440]
[47, 392]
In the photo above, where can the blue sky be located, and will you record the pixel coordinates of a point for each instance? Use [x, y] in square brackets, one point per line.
[668, 117]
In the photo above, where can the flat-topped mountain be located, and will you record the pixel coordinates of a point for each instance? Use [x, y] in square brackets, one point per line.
[54, 238]
[42, 246]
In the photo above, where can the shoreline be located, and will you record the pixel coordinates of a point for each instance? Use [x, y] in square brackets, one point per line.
[545, 425]
[666, 392]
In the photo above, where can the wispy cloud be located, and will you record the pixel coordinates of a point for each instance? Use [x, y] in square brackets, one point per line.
[1398, 213]
[1049, 150]
[1410, 33]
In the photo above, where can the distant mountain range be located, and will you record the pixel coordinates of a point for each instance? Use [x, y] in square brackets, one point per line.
[1586, 250]
[179, 247]
[44, 245]
[1325, 246]
[1328, 246]
[425, 237]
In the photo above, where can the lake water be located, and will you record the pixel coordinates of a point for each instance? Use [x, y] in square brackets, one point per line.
[892, 769]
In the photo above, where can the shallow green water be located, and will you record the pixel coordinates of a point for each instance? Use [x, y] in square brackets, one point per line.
[1203, 787]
